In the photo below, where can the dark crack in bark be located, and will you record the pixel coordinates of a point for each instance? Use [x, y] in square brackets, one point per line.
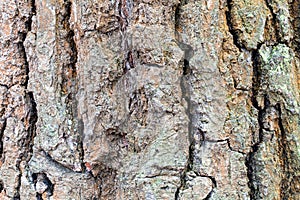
[69, 84]
[274, 24]
[3, 126]
[1, 186]
[30, 117]
[186, 94]
[294, 8]
[251, 171]
[28, 26]
[284, 153]
[184, 83]
[27, 141]
[256, 81]
[233, 32]
[30, 121]
[42, 185]
[213, 180]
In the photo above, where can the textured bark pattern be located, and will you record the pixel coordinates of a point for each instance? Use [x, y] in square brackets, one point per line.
[144, 99]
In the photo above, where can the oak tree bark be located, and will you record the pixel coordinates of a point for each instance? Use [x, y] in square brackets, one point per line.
[145, 99]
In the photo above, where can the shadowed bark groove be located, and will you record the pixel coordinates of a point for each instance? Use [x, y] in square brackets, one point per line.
[294, 7]
[3, 125]
[233, 32]
[284, 152]
[185, 89]
[30, 111]
[255, 87]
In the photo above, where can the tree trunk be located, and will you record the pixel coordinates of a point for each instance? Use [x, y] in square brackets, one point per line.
[144, 99]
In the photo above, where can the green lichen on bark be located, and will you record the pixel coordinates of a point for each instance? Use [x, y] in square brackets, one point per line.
[277, 78]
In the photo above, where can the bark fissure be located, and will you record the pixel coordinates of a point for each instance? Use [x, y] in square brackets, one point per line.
[1, 186]
[69, 84]
[27, 141]
[255, 147]
[42, 185]
[280, 135]
[294, 8]
[30, 110]
[273, 20]
[285, 155]
[230, 26]
[186, 90]
[213, 180]
[23, 35]
[185, 84]
[3, 126]
[251, 171]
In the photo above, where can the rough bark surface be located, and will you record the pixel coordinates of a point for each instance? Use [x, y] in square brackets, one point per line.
[145, 99]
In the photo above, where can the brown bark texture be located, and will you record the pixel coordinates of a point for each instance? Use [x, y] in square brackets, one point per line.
[149, 99]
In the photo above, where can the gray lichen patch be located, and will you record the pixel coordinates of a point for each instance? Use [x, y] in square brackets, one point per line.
[248, 19]
[277, 75]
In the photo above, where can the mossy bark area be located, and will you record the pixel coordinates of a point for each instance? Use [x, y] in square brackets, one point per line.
[144, 99]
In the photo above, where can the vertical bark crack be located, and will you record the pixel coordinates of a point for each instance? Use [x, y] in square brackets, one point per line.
[185, 89]
[276, 28]
[213, 180]
[28, 26]
[285, 156]
[30, 117]
[3, 126]
[69, 83]
[250, 157]
[230, 26]
[282, 145]
[185, 85]
[79, 126]
[294, 8]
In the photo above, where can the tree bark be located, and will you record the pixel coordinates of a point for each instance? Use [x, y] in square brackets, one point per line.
[144, 99]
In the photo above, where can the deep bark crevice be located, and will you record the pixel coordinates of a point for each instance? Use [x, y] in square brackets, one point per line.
[256, 82]
[233, 32]
[184, 83]
[30, 118]
[23, 35]
[251, 170]
[33, 13]
[69, 84]
[294, 8]
[1, 138]
[1, 186]
[185, 89]
[274, 24]
[213, 180]
[284, 153]
[42, 184]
